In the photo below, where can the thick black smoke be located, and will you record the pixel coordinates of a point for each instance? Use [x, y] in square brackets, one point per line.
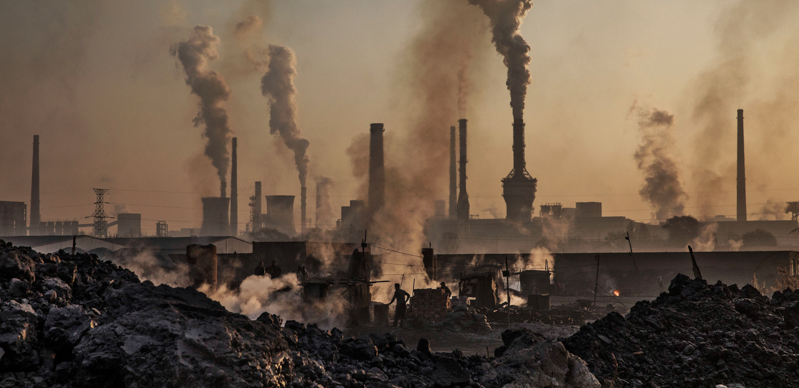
[654, 156]
[278, 85]
[506, 18]
[194, 54]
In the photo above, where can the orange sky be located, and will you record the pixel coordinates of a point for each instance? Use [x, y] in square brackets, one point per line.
[95, 79]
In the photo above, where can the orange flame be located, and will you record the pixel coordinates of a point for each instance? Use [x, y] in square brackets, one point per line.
[616, 293]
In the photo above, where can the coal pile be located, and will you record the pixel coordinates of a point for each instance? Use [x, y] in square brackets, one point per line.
[461, 319]
[696, 335]
[75, 321]
[565, 315]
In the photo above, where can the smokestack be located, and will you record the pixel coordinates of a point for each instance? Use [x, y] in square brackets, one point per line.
[256, 208]
[35, 216]
[377, 173]
[519, 187]
[741, 169]
[234, 191]
[318, 203]
[453, 175]
[302, 208]
[463, 197]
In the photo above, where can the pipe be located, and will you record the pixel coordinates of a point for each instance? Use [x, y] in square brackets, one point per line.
[35, 216]
[234, 192]
[741, 169]
[463, 197]
[453, 174]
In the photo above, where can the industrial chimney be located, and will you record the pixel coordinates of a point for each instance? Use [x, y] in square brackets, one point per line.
[303, 192]
[234, 192]
[255, 208]
[216, 221]
[519, 187]
[453, 175]
[35, 216]
[463, 196]
[741, 169]
[377, 172]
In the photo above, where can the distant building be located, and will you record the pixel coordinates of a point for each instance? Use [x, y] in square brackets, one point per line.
[13, 218]
[129, 225]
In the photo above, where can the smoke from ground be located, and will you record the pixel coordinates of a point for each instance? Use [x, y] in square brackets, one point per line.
[278, 85]
[194, 54]
[773, 210]
[506, 18]
[433, 85]
[281, 296]
[662, 187]
[706, 240]
[147, 266]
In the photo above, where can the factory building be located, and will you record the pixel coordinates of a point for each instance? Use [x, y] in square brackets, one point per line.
[13, 218]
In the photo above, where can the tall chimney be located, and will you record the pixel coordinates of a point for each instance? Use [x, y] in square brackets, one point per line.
[257, 214]
[318, 203]
[35, 216]
[303, 209]
[741, 169]
[519, 187]
[234, 192]
[453, 175]
[377, 172]
[463, 196]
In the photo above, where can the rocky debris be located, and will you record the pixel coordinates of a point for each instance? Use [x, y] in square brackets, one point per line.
[528, 360]
[461, 319]
[83, 322]
[696, 335]
[558, 315]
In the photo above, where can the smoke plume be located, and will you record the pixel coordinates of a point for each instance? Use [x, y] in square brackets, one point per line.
[506, 18]
[194, 54]
[655, 158]
[741, 30]
[278, 85]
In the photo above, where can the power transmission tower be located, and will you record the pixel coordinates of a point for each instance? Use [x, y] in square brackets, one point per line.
[100, 225]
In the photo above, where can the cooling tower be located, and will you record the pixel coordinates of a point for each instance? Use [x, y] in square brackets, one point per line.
[280, 213]
[215, 217]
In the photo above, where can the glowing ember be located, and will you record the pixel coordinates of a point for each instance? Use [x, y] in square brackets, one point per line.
[616, 293]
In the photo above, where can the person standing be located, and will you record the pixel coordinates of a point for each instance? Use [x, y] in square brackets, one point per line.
[402, 298]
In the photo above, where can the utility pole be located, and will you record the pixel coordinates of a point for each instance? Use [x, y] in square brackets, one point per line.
[635, 266]
[506, 273]
[596, 282]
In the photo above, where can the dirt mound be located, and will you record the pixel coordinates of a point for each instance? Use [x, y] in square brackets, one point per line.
[75, 321]
[696, 335]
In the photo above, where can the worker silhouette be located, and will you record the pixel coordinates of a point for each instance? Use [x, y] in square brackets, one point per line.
[402, 298]
[260, 270]
[273, 270]
[446, 289]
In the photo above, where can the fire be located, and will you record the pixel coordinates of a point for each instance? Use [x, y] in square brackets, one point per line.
[616, 293]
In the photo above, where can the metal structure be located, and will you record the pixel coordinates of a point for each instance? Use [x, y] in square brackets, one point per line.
[234, 191]
[793, 208]
[280, 213]
[100, 225]
[453, 174]
[161, 229]
[377, 172]
[741, 169]
[519, 187]
[463, 196]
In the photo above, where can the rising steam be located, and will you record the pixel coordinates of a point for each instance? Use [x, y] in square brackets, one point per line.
[655, 158]
[506, 18]
[194, 54]
[278, 85]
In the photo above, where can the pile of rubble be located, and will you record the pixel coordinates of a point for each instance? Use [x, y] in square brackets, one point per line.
[76, 321]
[461, 319]
[560, 315]
[696, 335]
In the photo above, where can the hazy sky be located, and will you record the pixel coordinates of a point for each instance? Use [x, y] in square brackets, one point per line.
[96, 80]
